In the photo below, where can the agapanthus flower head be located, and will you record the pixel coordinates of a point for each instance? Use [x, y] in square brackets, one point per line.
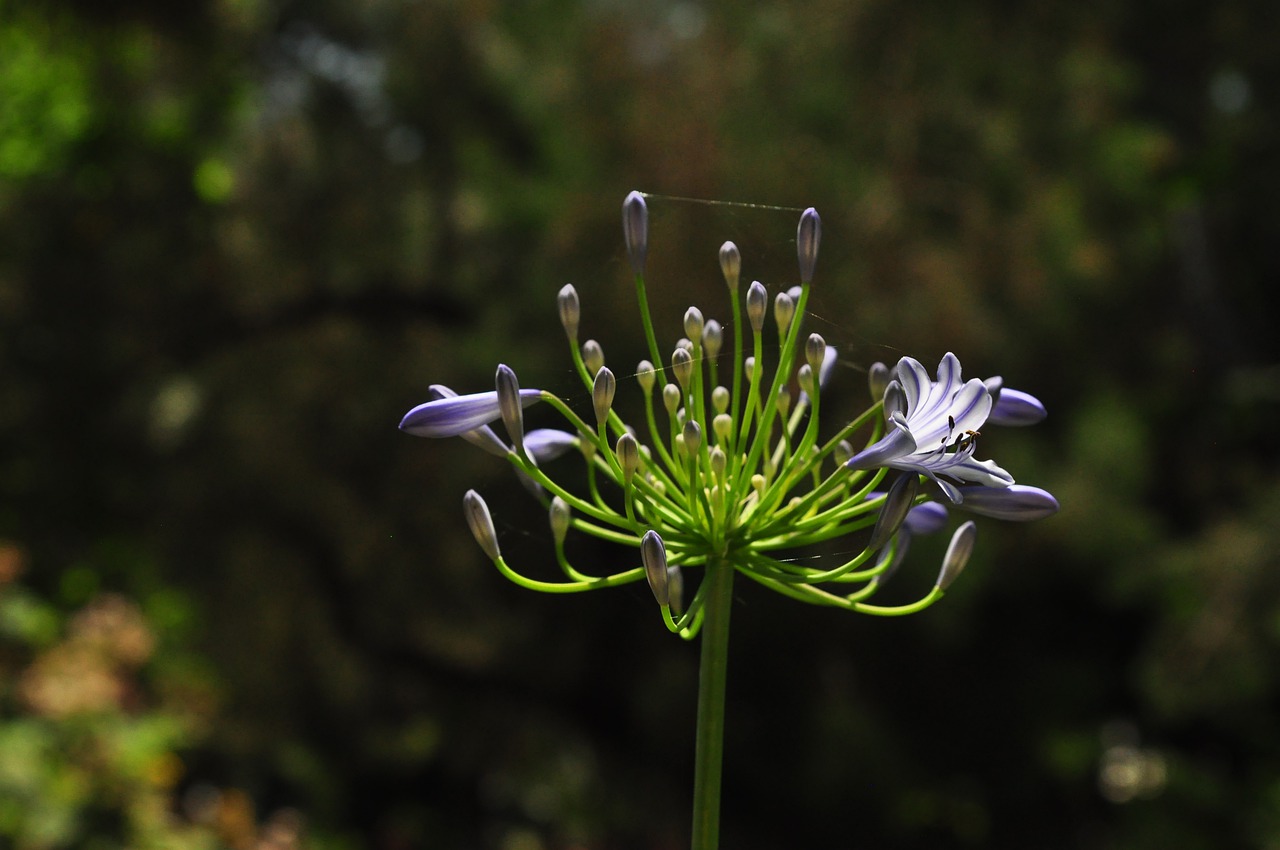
[729, 464]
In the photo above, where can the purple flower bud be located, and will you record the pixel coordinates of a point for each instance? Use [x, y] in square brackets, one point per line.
[1014, 407]
[757, 304]
[546, 444]
[730, 265]
[455, 415]
[1017, 502]
[602, 392]
[927, 518]
[509, 406]
[570, 310]
[635, 230]
[627, 452]
[808, 235]
[653, 554]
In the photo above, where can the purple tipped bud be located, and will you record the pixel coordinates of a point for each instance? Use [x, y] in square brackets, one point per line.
[559, 515]
[815, 352]
[509, 405]
[635, 230]
[646, 376]
[602, 392]
[546, 444]
[692, 436]
[693, 323]
[480, 523]
[682, 366]
[712, 338]
[784, 310]
[757, 304]
[570, 311]
[808, 235]
[928, 518]
[653, 554]
[627, 451]
[958, 552]
[1017, 502]
[896, 506]
[877, 380]
[592, 356]
[730, 265]
[1014, 407]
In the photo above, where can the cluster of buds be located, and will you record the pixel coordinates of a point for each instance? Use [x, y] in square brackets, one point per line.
[732, 468]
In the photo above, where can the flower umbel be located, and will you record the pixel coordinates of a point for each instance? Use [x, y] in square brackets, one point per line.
[730, 468]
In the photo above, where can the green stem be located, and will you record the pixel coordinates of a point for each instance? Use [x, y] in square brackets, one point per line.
[709, 749]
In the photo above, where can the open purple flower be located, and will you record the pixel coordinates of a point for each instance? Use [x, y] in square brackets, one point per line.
[933, 428]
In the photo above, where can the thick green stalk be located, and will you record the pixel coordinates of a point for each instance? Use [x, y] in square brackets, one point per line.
[709, 749]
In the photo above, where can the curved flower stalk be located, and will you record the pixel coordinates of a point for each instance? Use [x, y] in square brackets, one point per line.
[730, 473]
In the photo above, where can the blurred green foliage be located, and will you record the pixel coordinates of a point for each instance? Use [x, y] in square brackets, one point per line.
[240, 238]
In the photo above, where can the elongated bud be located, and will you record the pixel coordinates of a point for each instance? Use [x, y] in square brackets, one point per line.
[719, 460]
[808, 235]
[749, 368]
[815, 352]
[784, 401]
[645, 376]
[712, 338]
[602, 392]
[592, 356]
[671, 398]
[682, 367]
[628, 454]
[757, 304]
[877, 380]
[635, 230]
[730, 265]
[480, 523]
[692, 436]
[784, 310]
[720, 399]
[570, 311]
[675, 589]
[693, 323]
[958, 552]
[559, 515]
[509, 403]
[723, 426]
[653, 554]
[896, 506]
[804, 377]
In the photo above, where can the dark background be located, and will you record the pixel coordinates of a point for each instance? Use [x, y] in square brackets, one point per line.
[239, 239]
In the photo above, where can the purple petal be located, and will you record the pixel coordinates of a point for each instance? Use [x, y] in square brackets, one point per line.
[483, 437]
[914, 379]
[450, 417]
[1014, 407]
[1017, 502]
[927, 518]
[897, 443]
[546, 444]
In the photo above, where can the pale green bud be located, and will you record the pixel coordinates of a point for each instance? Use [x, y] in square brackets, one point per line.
[592, 356]
[692, 436]
[646, 376]
[720, 399]
[730, 265]
[628, 454]
[671, 396]
[682, 367]
[693, 323]
[784, 310]
[570, 311]
[559, 513]
[815, 351]
[712, 338]
[722, 424]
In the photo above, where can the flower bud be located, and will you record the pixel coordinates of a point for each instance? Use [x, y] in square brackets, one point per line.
[723, 426]
[749, 368]
[877, 380]
[481, 523]
[692, 436]
[804, 377]
[682, 367]
[653, 554]
[896, 505]
[570, 311]
[783, 401]
[592, 356]
[646, 376]
[627, 451]
[559, 514]
[757, 304]
[693, 323]
[671, 396]
[602, 392]
[720, 399]
[808, 235]
[815, 352]
[730, 265]
[635, 230]
[784, 310]
[509, 404]
[958, 552]
[712, 338]
[719, 460]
